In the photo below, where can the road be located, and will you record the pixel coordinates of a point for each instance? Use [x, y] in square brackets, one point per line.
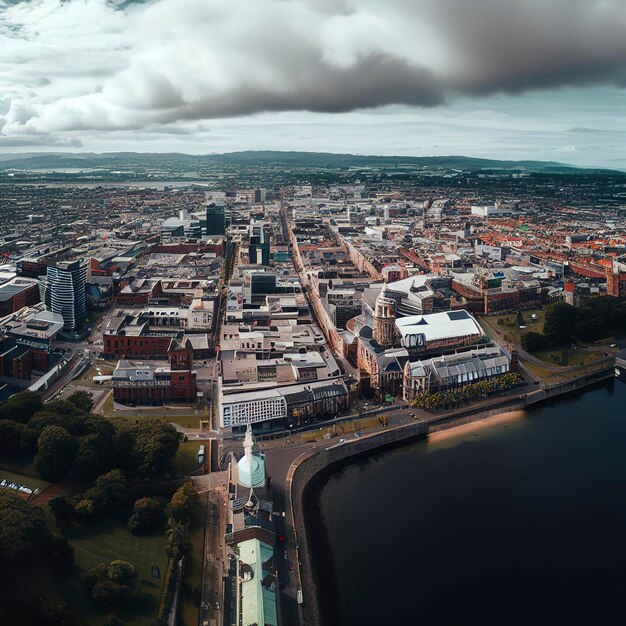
[213, 573]
[280, 456]
[279, 461]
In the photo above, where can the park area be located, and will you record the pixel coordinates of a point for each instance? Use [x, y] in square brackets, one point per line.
[511, 327]
[102, 541]
[508, 325]
[184, 416]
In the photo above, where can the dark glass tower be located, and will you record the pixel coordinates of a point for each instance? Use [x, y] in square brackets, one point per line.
[215, 220]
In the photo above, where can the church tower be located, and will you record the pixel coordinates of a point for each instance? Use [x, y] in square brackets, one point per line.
[384, 330]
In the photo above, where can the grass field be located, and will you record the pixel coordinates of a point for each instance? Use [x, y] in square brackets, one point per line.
[22, 465]
[192, 575]
[509, 328]
[183, 416]
[506, 327]
[538, 371]
[22, 471]
[566, 356]
[345, 428]
[20, 479]
[187, 456]
[103, 541]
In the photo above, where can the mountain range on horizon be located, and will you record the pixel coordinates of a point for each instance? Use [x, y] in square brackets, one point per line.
[42, 160]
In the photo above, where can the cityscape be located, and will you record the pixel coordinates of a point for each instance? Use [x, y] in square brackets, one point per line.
[312, 326]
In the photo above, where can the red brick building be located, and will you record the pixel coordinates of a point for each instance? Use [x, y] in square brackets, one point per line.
[140, 384]
[147, 345]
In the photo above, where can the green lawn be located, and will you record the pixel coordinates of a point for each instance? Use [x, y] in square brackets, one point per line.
[101, 542]
[509, 328]
[187, 456]
[557, 354]
[578, 357]
[22, 472]
[540, 372]
[183, 416]
[21, 479]
[23, 465]
[192, 575]
[566, 356]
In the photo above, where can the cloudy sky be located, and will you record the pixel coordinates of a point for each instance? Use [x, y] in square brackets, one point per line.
[540, 79]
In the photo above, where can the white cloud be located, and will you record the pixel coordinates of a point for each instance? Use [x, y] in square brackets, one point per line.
[90, 68]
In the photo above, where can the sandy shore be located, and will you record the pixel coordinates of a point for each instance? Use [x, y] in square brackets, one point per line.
[468, 427]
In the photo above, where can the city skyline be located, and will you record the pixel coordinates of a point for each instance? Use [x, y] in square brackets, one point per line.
[422, 78]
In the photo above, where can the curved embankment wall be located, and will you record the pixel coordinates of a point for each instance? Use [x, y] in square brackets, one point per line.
[305, 469]
[311, 467]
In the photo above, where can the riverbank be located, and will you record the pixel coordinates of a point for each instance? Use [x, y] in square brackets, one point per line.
[485, 527]
[451, 430]
[307, 472]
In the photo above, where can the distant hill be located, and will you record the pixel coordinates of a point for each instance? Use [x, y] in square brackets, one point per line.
[108, 160]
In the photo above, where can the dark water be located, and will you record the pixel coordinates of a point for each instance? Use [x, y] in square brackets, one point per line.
[520, 523]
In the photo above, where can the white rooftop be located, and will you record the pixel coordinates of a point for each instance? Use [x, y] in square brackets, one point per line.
[435, 326]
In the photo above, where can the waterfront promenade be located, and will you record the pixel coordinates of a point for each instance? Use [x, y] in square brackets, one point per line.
[293, 465]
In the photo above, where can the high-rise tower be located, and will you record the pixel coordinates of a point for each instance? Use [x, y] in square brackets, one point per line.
[63, 291]
[215, 219]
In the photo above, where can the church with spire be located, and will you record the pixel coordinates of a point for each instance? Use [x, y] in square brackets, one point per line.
[251, 539]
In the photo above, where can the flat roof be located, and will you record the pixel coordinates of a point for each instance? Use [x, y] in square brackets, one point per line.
[436, 326]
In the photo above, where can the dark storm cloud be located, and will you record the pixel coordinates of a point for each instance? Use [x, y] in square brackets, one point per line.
[167, 60]
[334, 90]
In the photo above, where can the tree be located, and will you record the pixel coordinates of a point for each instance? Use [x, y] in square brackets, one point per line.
[96, 456]
[10, 437]
[147, 449]
[60, 554]
[23, 531]
[28, 440]
[98, 425]
[64, 408]
[59, 413]
[110, 593]
[589, 329]
[21, 406]
[147, 515]
[85, 508]
[110, 583]
[122, 572]
[533, 341]
[178, 542]
[185, 502]
[61, 508]
[56, 614]
[108, 493]
[82, 399]
[559, 321]
[56, 452]
[97, 573]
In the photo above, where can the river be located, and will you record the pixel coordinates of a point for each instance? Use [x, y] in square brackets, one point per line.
[520, 522]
